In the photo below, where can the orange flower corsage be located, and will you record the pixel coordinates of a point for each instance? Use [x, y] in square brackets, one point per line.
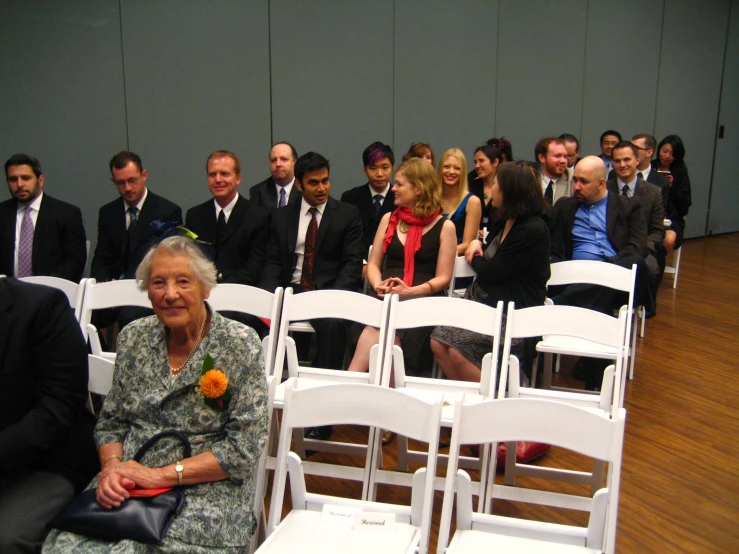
[214, 385]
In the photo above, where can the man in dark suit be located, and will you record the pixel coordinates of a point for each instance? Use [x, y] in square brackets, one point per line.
[47, 453]
[596, 225]
[573, 153]
[277, 190]
[236, 228]
[127, 227]
[316, 244]
[39, 235]
[628, 183]
[372, 198]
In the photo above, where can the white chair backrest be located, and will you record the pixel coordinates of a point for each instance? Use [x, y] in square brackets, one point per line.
[461, 270]
[366, 405]
[112, 294]
[452, 312]
[101, 375]
[551, 422]
[74, 291]
[593, 272]
[341, 304]
[566, 321]
[251, 300]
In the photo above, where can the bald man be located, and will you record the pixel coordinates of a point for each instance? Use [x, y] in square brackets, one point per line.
[596, 225]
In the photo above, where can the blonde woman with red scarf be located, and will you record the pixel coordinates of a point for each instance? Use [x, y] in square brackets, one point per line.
[412, 256]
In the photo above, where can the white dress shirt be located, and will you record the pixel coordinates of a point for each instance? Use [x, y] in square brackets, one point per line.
[288, 189]
[137, 206]
[303, 223]
[227, 210]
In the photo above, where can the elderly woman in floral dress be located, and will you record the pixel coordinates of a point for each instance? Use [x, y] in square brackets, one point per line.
[158, 386]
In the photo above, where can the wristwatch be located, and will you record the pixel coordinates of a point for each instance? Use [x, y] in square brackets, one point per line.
[179, 468]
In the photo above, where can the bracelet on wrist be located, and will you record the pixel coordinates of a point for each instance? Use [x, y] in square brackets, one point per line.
[106, 460]
[431, 287]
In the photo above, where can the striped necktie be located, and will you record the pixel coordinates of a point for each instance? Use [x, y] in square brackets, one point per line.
[25, 245]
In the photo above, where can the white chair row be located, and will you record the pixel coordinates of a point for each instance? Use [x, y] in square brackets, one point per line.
[328, 524]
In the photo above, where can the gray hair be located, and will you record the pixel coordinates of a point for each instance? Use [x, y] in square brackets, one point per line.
[202, 267]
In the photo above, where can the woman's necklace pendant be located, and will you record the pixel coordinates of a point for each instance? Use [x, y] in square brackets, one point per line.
[403, 226]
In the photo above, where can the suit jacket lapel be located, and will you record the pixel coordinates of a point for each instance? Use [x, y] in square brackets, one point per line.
[328, 213]
[145, 217]
[236, 217]
[42, 229]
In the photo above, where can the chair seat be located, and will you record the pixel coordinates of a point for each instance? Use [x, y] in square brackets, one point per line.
[558, 344]
[307, 532]
[481, 541]
[447, 410]
[318, 381]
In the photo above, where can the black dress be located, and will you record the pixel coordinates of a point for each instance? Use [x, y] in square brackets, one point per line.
[416, 348]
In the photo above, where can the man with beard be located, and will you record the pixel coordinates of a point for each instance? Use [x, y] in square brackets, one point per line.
[551, 155]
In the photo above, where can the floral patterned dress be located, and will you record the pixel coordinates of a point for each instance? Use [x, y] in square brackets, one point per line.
[145, 400]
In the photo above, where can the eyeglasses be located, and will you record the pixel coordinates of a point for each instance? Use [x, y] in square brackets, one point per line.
[132, 181]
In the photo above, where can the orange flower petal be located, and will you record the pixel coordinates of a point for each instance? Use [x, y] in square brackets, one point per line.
[213, 384]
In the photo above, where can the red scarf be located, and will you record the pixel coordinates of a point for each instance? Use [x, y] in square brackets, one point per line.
[412, 240]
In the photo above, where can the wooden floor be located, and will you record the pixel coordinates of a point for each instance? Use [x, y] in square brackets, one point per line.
[680, 480]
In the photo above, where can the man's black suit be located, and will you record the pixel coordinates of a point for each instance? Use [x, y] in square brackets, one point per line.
[111, 259]
[627, 233]
[46, 446]
[363, 199]
[264, 195]
[239, 253]
[337, 265]
[653, 211]
[59, 248]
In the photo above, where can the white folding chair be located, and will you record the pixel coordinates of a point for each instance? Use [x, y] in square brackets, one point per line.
[596, 273]
[74, 291]
[590, 433]
[578, 324]
[350, 306]
[440, 311]
[675, 267]
[111, 294]
[461, 270]
[254, 301]
[331, 524]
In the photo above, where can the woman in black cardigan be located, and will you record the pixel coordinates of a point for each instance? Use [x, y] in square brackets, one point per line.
[513, 267]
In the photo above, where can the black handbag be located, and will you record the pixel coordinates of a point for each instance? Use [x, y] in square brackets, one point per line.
[142, 519]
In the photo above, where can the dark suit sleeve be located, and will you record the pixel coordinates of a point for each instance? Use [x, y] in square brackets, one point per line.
[352, 251]
[557, 252]
[58, 356]
[250, 273]
[175, 214]
[637, 241]
[656, 231]
[270, 278]
[106, 254]
[73, 244]
[680, 195]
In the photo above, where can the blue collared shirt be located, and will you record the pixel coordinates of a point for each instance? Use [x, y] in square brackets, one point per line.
[589, 232]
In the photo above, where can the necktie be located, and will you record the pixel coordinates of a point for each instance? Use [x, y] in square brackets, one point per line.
[283, 197]
[639, 175]
[549, 193]
[306, 277]
[378, 205]
[625, 190]
[221, 227]
[25, 245]
[134, 213]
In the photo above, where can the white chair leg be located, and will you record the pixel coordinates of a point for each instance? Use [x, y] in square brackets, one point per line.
[643, 316]
[676, 263]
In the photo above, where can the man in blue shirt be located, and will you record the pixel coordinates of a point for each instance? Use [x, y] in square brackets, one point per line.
[596, 225]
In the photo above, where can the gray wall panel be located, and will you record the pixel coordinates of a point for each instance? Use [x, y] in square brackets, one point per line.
[724, 216]
[62, 95]
[693, 39]
[621, 69]
[445, 65]
[332, 80]
[197, 80]
[541, 52]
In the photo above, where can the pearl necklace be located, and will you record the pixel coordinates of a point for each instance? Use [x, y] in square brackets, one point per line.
[175, 371]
